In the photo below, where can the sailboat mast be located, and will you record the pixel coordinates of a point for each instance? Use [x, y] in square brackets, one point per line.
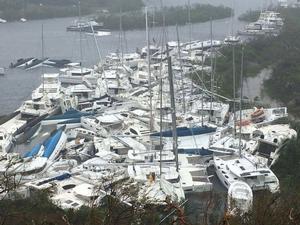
[232, 18]
[149, 71]
[234, 90]
[190, 26]
[43, 74]
[181, 69]
[160, 116]
[202, 94]
[241, 101]
[164, 38]
[80, 35]
[173, 109]
[211, 66]
[96, 43]
[121, 37]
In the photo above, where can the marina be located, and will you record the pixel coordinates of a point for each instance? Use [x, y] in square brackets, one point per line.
[141, 121]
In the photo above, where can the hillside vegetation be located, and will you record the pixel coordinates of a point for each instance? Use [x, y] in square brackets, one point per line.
[250, 16]
[173, 15]
[281, 54]
[37, 9]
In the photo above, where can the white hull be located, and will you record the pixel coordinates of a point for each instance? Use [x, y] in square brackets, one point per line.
[60, 146]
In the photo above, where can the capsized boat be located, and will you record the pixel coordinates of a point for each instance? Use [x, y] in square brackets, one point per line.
[22, 62]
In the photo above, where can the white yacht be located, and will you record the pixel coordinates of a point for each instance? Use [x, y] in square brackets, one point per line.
[5, 141]
[77, 75]
[95, 125]
[35, 108]
[266, 141]
[215, 112]
[67, 191]
[50, 87]
[81, 93]
[259, 116]
[234, 168]
[151, 156]
[158, 192]
[232, 39]
[203, 44]
[2, 20]
[2, 71]
[141, 172]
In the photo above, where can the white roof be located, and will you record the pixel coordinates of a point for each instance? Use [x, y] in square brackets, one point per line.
[50, 75]
[85, 190]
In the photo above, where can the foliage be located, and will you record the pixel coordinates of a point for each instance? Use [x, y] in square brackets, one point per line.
[37, 9]
[173, 15]
[281, 54]
[250, 16]
[288, 165]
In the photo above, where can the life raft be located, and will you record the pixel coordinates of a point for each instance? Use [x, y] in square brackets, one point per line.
[243, 123]
[257, 113]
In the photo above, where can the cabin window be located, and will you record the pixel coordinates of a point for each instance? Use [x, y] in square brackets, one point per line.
[190, 119]
[226, 183]
[1, 138]
[223, 172]
[270, 182]
[68, 201]
[226, 176]
[75, 204]
[242, 168]
[133, 131]
[69, 186]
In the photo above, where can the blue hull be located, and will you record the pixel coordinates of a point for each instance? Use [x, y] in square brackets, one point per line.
[195, 151]
[51, 143]
[185, 131]
[70, 114]
[70, 121]
[35, 150]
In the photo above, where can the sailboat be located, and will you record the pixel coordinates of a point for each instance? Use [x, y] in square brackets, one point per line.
[44, 99]
[244, 167]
